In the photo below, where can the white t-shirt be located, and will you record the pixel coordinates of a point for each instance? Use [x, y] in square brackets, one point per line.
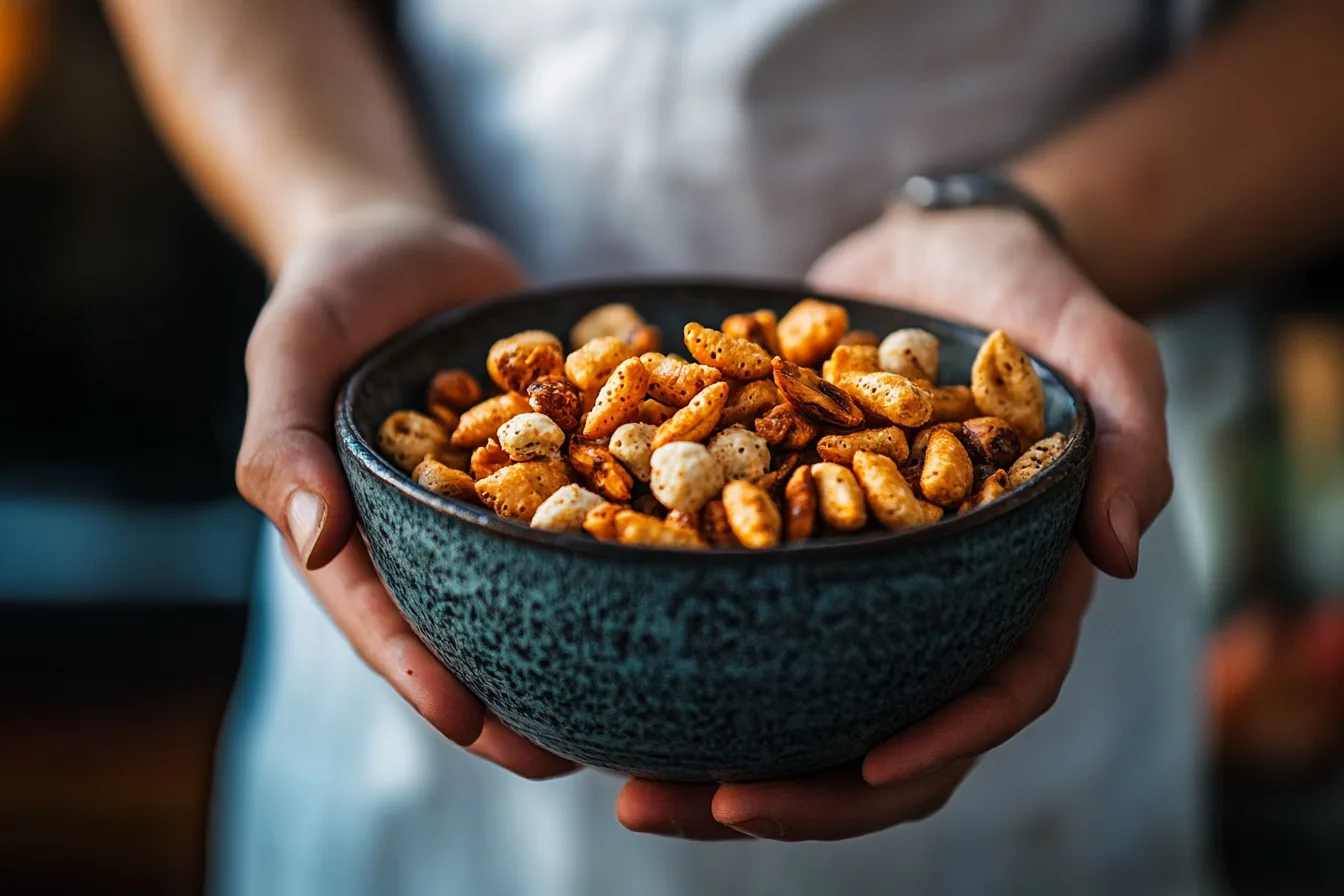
[737, 136]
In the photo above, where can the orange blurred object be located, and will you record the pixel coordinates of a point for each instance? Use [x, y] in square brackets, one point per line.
[23, 44]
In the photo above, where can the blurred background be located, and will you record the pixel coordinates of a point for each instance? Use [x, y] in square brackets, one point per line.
[125, 553]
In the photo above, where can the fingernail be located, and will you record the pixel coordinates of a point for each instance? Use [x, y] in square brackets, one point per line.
[305, 514]
[1124, 519]
[763, 828]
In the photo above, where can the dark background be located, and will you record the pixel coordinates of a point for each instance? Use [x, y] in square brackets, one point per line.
[125, 554]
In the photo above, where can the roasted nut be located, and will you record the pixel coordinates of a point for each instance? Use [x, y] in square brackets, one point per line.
[600, 522]
[516, 362]
[755, 326]
[632, 445]
[920, 443]
[616, 319]
[747, 401]
[600, 469]
[735, 358]
[860, 337]
[911, 473]
[813, 397]
[675, 382]
[888, 441]
[889, 396]
[695, 421]
[839, 497]
[947, 475]
[655, 412]
[516, 491]
[990, 489]
[618, 402]
[775, 423]
[802, 434]
[847, 359]
[455, 388]
[741, 454]
[407, 436]
[774, 480]
[633, 527]
[752, 515]
[1006, 385]
[913, 353]
[565, 510]
[1035, 459]
[800, 505]
[714, 526]
[982, 472]
[811, 331]
[557, 399]
[685, 476]
[952, 404]
[589, 366]
[531, 436]
[932, 512]
[489, 458]
[484, 420]
[444, 480]
[991, 440]
[890, 498]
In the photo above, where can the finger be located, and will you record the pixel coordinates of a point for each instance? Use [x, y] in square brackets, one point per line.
[833, 805]
[522, 757]
[326, 312]
[1016, 692]
[354, 597]
[671, 810]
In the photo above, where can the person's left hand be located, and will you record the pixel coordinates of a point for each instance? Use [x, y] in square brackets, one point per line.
[995, 270]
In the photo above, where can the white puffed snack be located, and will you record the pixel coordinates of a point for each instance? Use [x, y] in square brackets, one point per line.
[685, 476]
[565, 510]
[741, 453]
[632, 445]
[913, 353]
[531, 436]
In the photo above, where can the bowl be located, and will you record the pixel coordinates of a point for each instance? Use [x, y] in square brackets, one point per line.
[719, 665]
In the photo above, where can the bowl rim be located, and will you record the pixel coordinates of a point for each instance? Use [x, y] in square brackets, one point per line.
[1077, 450]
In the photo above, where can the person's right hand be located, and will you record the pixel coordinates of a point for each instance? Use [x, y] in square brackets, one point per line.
[340, 293]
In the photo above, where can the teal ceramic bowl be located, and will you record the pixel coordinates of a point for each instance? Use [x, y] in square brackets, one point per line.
[722, 665]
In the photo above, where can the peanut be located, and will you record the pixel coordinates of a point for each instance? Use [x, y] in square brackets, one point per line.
[733, 357]
[811, 331]
[752, 515]
[1006, 385]
[800, 504]
[889, 496]
[991, 440]
[839, 497]
[947, 475]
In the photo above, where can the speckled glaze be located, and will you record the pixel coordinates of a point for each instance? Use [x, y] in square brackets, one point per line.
[722, 665]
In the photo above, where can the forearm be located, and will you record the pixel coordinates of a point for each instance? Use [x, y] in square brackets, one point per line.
[282, 113]
[1227, 165]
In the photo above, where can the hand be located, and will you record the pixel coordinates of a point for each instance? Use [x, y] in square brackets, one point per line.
[992, 269]
[358, 281]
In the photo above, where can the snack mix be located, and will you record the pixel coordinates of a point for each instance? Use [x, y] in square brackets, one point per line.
[772, 430]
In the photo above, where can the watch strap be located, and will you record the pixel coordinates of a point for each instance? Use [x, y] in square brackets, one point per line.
[979, 189]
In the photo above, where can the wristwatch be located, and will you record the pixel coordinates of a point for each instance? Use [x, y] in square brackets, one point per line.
[978, 189]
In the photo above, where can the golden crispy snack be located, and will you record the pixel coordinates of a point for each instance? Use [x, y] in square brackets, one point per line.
[811, 331]
[600, 469]
[889, 396]
[752, 515]
[685, 476]
[754, 326]
[800, 505]
[589, 365]
[407, 436]
[618, 402]
[947, 475]
[839, 498]
[557, 399]
[913, 353]
[889, 496]
[565, 510]
[675, 382]
[695, 421]
[481, 422]
[815, 398]
[516, 491]
[1006, 385]
[1035, 459]
[444, 480]
[518, 360]
[733, 357]
[840, 448]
